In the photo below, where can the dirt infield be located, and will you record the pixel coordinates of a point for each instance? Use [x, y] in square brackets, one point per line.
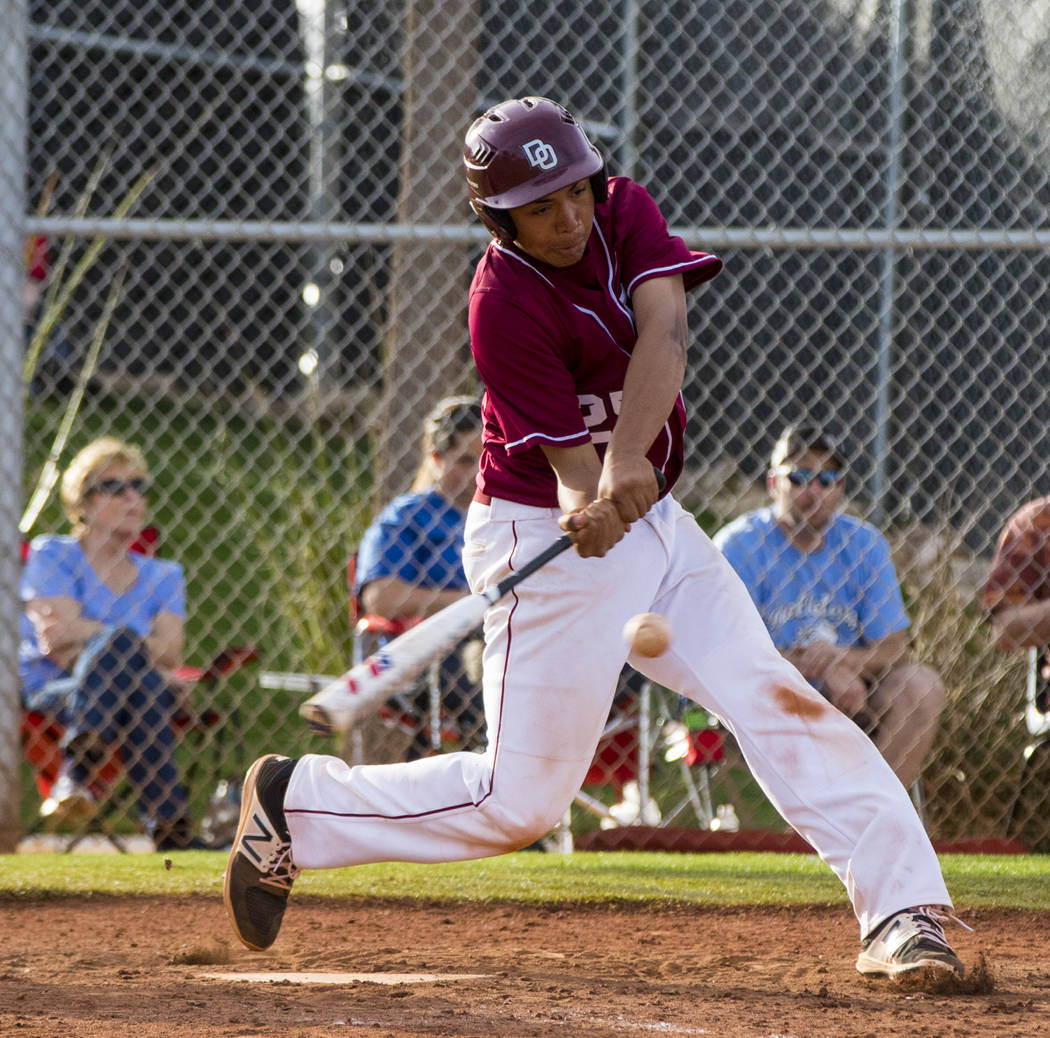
[112, 967]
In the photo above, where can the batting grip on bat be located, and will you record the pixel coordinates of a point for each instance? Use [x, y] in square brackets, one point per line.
[337, 706]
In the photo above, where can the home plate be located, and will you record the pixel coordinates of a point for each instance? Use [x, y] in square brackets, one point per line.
[346, 978]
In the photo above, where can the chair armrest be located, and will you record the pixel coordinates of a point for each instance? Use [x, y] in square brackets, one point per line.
[225, 663]
[294, 682]
[196, 720]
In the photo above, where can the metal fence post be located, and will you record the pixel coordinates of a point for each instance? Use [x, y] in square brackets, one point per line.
[12, 215]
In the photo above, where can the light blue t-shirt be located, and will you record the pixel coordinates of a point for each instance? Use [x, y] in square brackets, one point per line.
[417, 538]
[847, 593]
[57, 567]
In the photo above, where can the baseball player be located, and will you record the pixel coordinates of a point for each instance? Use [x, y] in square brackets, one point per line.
[578, 325]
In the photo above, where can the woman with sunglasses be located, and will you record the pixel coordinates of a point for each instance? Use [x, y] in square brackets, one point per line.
[101, 636]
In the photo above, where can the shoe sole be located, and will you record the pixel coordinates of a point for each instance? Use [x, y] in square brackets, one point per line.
[871, 967]
[247, 796]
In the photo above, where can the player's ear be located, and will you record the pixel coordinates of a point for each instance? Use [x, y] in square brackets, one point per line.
[771, 481]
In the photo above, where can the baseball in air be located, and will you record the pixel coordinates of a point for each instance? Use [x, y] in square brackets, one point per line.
[648, 634]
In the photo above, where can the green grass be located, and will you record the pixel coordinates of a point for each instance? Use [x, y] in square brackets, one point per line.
[1010, 882]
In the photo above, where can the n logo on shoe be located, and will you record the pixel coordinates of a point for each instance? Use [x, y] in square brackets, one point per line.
[264, 836]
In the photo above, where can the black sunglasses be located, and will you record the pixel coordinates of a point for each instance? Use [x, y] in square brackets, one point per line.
[803, 477]
[116, 487]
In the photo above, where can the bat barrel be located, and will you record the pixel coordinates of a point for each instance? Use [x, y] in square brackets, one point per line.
[317, 719]
[361, 690]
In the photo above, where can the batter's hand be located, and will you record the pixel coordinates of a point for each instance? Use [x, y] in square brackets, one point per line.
[594, 529]
[630, 483]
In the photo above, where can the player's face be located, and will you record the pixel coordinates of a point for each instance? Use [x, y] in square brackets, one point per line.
[805, 494]
[554, 229]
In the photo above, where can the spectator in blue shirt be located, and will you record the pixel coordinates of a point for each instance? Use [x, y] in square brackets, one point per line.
[409, 564]
[825, 585]
[101, 637]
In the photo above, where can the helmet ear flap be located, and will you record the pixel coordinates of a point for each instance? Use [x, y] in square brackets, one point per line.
[501, 224]
[600, 184]
[498, 221]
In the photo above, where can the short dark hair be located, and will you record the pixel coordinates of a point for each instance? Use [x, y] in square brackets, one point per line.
[796, 440]
[451, 416]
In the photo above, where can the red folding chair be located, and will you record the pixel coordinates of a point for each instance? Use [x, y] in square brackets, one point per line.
[637, 726]
[699, 752]
[370, 631]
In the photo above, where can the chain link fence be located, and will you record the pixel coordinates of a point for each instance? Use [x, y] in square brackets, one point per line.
[248, 250]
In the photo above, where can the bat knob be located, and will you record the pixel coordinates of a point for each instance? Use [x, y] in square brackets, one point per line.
[317, 719]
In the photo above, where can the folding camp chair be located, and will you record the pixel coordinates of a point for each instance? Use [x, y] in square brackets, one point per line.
[696, 743]
[401, 716]
[621, 759]
[1037, 722]
[640, 724]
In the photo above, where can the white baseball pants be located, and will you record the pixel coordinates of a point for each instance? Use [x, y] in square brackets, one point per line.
[553, 651]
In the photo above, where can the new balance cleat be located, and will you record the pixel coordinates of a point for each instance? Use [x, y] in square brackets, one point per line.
[260, 870]
[909, 940]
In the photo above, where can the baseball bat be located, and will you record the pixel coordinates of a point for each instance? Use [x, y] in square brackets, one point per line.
[341, 702]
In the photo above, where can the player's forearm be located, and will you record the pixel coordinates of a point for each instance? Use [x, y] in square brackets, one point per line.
[652, 383]
[594, 525]
[1019, 627]
[578, 470]
[651, 387]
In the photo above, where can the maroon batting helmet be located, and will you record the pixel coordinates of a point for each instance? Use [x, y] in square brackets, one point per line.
[521, 150]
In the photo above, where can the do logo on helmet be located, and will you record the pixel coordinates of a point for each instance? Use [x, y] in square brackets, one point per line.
[540, 154]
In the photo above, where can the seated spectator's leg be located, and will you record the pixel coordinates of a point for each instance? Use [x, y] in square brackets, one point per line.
[121, 699]
[420, 714]
[51, 699]
[149, 742]
[71, 797]
[460, 678]
[907, 705]
[92, 702]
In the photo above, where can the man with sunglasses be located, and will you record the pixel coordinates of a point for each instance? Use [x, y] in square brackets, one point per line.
[825, 585]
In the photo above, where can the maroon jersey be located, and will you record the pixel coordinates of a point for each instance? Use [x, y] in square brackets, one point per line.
[552, 344]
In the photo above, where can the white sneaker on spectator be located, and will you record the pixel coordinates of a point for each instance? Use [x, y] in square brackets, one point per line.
[69, 801]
